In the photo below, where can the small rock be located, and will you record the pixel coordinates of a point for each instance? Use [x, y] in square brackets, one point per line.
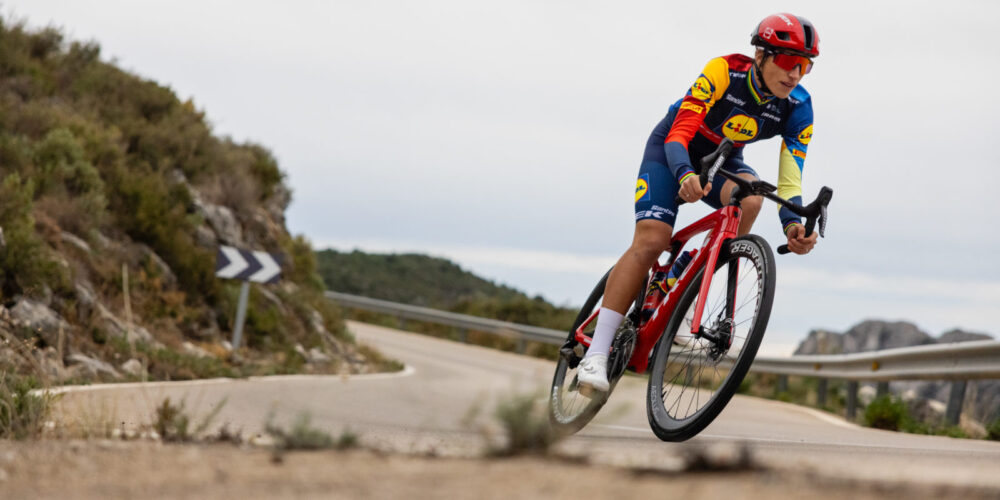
[166, 274]
[263, 440]
[227, 345]
[75, 241]
[222, 220]
[51, 364]
[39, 318]
[117, 328]
[94, 366]
[85, 300]
[194, 350]
[103, 241]
[132, 367]
[302, 351]
[318, 356]
[205, 237]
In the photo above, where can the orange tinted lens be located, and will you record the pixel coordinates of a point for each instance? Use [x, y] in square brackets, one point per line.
[788, 62]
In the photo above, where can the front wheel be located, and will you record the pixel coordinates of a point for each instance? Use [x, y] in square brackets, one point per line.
[693, 377]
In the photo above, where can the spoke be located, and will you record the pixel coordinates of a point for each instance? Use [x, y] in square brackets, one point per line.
[752, 299]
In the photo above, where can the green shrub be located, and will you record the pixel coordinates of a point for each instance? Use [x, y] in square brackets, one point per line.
[22, 414]
[525, 420]
[887, 412]
[303, 436]
[993, 431]
[173, 423]
[25, 262]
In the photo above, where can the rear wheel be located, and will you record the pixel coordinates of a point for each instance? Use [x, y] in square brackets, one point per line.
[569, 410]
[693, 377]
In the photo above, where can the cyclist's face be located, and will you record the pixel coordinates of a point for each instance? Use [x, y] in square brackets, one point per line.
[779, 81]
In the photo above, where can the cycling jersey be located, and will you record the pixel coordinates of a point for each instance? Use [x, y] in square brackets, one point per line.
[727, 101]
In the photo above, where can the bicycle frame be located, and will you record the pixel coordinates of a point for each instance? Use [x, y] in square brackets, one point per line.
[722, 225]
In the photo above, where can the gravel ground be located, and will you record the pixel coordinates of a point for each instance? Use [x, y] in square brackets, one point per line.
[148, 469]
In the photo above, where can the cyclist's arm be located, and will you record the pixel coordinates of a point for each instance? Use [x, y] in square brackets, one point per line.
[795, 141]
[707, 89]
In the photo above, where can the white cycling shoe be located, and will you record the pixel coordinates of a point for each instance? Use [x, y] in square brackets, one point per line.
[592, 375]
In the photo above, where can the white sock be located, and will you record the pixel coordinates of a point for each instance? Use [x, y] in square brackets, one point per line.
[608, 322]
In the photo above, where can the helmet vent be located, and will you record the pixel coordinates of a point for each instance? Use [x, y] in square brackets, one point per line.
[784, 36]
[809, 36]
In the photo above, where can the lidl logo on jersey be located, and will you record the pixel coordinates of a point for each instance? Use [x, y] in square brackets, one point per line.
[740, 128]
[642, 188]
[702, 89]
[697, 108]
[806, 135]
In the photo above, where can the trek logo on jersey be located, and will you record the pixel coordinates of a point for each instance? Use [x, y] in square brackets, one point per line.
[697, 108]
[702, 89]
[806, 135]
[642, 188]
[740, 128]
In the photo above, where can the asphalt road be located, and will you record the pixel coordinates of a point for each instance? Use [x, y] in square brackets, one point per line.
[430, 408]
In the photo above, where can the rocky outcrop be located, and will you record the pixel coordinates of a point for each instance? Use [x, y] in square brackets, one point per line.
[982, 397]
[37, 317]
[93, 367]
[866, 336]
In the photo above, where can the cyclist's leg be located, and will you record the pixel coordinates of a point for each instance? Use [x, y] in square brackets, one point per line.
[720, 194]
[655, 212]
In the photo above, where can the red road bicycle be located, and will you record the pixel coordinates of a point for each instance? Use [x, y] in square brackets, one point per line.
[700, 339]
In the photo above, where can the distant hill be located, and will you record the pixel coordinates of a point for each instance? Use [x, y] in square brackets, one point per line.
[434, 282]
[408, 278]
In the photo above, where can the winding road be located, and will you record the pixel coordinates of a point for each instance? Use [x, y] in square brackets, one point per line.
[441, 401]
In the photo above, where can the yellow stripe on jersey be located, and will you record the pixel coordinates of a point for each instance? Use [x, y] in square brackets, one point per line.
[717, 73]
[790, 172]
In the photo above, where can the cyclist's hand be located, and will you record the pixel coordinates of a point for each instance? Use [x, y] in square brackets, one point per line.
[798, 242]
[691, 190]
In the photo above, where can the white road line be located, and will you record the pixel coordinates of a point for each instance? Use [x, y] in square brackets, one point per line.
[771, 440]
[406, 372]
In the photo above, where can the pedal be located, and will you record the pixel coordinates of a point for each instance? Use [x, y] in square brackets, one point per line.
[568, 352]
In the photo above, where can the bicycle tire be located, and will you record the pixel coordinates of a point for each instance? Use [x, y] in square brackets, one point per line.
[569, 418]
[666, 370]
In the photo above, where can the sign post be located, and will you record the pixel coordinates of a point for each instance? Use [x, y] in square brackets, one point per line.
[247, 266]
[241, 315]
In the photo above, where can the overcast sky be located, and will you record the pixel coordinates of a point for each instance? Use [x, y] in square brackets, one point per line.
[506, 135]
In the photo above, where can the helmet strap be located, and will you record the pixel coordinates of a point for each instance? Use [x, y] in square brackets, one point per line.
[760, 75]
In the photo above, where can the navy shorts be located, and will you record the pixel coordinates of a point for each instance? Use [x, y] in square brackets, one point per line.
[656, 188]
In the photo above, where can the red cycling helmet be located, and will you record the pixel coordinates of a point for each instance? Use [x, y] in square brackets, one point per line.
[787, 33]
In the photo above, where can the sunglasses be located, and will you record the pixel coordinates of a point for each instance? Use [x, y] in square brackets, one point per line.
[788, 62]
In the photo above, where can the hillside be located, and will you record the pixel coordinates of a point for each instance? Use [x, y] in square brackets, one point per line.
[434, 282]
[115, 196]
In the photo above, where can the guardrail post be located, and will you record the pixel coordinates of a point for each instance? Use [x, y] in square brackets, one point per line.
[402, 323]
[955, 400]
[882, 389]
[522, 345]
[852, 399]
[821, 393]
[463, 335]
[782, 384]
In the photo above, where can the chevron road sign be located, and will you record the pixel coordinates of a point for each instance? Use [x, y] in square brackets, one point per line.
[239, 264]
[236, 263]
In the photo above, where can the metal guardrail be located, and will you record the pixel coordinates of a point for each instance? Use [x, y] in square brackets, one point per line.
[958, 362]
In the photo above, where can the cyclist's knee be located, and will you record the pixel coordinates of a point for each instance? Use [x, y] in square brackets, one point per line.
[651, 239]
[751, 205]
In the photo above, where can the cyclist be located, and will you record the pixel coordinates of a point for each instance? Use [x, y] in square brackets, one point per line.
[745, 99]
